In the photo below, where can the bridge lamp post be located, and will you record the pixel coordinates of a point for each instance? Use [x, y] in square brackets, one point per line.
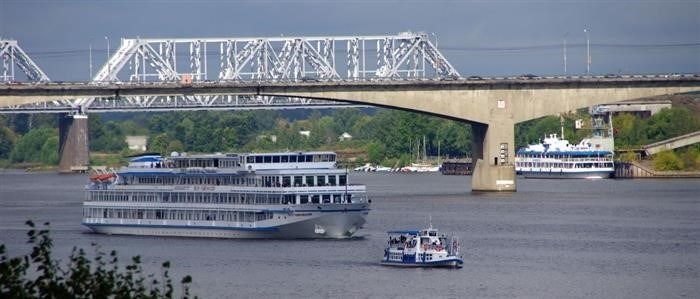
[109, 69]
[437, 61]
[436, 40]
[565, 35]
[91, 59]
[588, 52]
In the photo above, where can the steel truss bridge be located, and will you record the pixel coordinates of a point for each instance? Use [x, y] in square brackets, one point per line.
[12, 55]
[406, 56]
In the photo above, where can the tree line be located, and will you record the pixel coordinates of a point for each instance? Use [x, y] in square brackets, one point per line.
[389, 137]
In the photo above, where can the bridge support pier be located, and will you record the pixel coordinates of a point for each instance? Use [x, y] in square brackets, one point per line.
[493, 153]
[73, 149]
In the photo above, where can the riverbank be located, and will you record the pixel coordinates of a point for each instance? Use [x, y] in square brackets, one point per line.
[635, 169]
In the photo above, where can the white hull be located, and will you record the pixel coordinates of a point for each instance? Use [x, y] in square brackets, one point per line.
[558, 174]
[318, 225]
[453, 262]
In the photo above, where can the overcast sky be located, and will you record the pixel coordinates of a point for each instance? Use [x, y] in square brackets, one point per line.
[490, 37]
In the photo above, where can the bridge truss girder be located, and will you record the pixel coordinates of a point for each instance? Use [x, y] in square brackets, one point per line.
[11, 54]
[405, 56]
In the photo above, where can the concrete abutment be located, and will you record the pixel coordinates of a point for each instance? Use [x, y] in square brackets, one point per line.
[73, 147]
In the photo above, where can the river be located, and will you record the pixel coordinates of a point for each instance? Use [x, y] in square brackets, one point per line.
[551, 239]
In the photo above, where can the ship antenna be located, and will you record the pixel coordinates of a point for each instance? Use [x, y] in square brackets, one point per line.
[430, 220]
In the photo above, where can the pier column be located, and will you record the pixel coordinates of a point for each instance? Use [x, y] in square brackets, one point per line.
[494, 156]
[73, 149]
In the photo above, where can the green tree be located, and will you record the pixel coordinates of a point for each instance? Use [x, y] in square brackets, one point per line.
[40, 275]
[175, 146]
[541, 128]
[455, 138]
[376, 152]
[8, 139]
[106, 137]
[667, 160]
[20, 123]
[29, 147]
[345, 119]
[184, 131]
[49, 151]
[671, 122]
[130, 127]
[629, 131]
[159, 143]
[690, 156]
[229, 138]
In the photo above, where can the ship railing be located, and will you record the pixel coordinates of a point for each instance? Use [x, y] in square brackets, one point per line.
[564, 159]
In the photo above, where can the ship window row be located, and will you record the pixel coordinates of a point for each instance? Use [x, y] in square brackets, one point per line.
[266, 181]
[564, 165]
[228, 180]
[290, 158]
[207, 162]
[186, 197]
[568, 158]
[216, 198]
[176, 214]
[304, 180]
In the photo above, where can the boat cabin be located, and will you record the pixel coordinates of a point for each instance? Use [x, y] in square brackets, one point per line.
[420, 240]
[423, 248]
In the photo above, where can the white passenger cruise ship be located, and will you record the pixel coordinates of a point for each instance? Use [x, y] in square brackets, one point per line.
[270, 195]
[556, 158]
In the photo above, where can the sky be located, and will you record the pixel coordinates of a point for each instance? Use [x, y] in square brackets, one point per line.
[485, 38]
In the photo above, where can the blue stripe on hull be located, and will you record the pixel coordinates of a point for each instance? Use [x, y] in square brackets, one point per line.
[453, 262]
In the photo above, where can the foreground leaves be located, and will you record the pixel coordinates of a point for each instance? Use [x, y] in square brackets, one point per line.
[39, 275]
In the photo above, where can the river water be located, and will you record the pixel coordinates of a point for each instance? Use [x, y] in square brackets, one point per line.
[551, 239]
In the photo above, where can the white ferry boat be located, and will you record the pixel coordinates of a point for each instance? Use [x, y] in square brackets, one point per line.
[556, 158]
[270, 195]
[424, 248]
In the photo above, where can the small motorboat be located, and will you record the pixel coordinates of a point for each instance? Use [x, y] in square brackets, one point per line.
[422, 248]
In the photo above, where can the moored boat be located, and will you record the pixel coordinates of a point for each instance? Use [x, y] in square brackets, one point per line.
[556, 158]
[422, 248]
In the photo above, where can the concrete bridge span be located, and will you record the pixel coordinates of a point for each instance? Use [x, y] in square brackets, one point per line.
[493, 107]
[492, 110]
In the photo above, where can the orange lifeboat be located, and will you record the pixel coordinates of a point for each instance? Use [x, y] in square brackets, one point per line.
[102, 177]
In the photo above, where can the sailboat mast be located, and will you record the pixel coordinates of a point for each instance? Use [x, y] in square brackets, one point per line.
[561, 125]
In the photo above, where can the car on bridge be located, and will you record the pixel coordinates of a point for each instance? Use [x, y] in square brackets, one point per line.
[528, 76]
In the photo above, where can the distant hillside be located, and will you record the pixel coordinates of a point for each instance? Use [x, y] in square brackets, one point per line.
[690, 101]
